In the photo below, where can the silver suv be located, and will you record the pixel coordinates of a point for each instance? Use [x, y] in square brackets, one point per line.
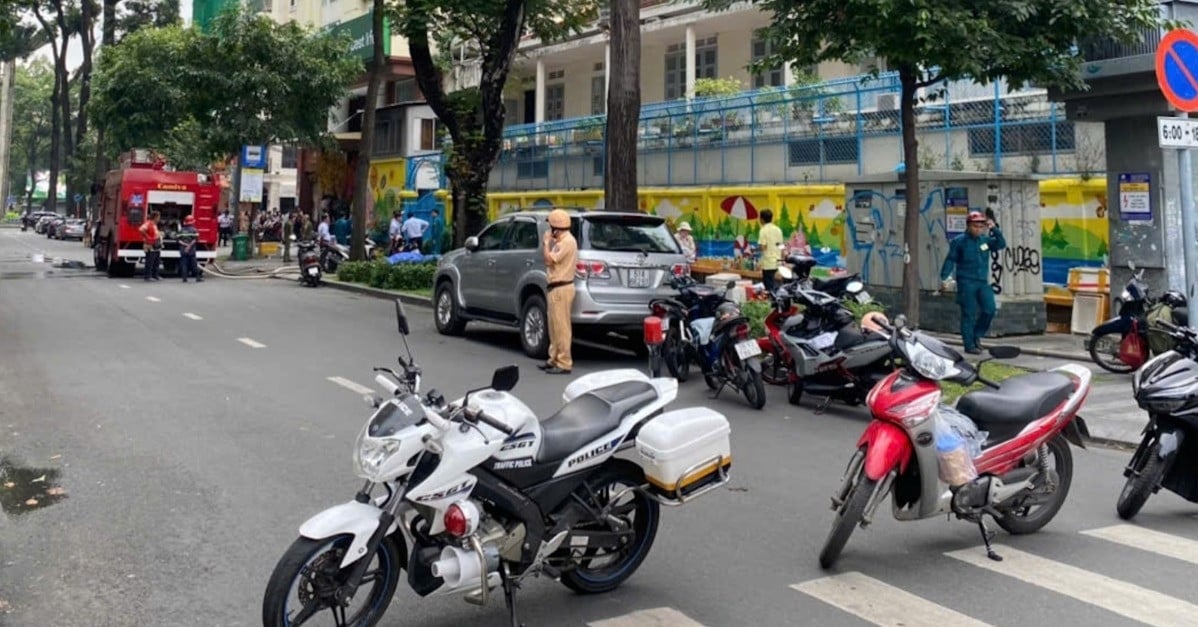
[499, 277]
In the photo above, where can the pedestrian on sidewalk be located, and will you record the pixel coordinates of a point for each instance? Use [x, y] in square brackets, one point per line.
[151, 243]
[969, 253]
[224, 223]
[288, 230]
[769, 241]
[560, 252]
[188, 236]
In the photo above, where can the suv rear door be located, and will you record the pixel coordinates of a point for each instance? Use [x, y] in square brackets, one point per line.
[638, 251]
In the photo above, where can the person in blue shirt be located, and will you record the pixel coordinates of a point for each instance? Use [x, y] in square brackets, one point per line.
[969, 253]
[341, 230]
[436, 231]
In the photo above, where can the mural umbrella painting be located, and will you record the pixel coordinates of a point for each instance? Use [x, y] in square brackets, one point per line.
[739, 207]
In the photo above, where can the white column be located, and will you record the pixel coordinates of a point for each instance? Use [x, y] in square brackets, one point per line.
[788, 74]
[606, 71]
[540, 99]
[690, 62]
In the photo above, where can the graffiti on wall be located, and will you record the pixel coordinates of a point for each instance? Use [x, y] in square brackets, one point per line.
[875, 224]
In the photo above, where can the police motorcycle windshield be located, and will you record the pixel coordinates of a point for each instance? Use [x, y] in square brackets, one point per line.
[393, 417]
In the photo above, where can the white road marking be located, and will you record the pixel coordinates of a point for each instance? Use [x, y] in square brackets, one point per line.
[1113, 595]
[880, 603]
[351, 386]
[251, 343]
[656, 617]
[1148, 540]
[124, 287]
[192, 316]
[154, 299]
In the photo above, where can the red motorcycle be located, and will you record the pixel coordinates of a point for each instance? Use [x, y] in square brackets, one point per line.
[777, 362]
[1021, 474]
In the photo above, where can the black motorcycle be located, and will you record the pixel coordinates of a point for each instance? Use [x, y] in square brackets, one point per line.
[849, 287]
[694, 301]
[309, 263]
[1137, 313]
[1167, 388]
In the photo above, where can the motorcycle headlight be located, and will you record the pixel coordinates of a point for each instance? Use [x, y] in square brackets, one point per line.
[929, 364]
[1125, 296]
[371, 454]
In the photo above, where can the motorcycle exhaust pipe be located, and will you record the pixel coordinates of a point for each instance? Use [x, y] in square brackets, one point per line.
[458, 566]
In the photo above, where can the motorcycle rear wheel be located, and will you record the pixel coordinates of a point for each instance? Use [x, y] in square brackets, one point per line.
[645, 515]
[677, 359]
[847, 518]
[1030, 519]
[1140, 485]
[1108, 360]
[309, 564]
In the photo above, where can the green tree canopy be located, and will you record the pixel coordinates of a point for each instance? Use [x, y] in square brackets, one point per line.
[32, 109]
[930, 41]
[249, 80]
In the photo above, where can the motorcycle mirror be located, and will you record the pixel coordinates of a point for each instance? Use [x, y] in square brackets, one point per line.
[900, 321]
[785, 273]
[471, 243]
[1005, 352]
[854, 287]
[505, 378]
[731, 284]
[401, 319]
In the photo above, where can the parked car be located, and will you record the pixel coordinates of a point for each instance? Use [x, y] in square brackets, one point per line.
[44, 221]
[71, 228]
[499, 276]
[31, 219]
[51, 229]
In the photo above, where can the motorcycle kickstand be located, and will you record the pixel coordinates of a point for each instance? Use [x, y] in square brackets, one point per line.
[824, 405]
[509, 595]
[987, 536]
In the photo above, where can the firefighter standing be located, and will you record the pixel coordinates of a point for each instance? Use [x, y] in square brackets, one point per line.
[560, 252]
[970, 254]
[151, 242]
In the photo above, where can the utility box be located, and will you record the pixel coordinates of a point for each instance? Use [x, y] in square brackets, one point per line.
[876, 209]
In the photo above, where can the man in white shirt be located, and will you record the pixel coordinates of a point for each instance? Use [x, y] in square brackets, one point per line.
[396, 233]
[322, 232]
[224, 224]
[413, 231]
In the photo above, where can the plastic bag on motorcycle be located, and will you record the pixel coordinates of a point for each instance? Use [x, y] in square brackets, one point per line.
[958, 441]
[1133, 350]
[1159, 340]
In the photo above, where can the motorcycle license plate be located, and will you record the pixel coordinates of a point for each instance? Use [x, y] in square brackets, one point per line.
[864, 298]
[747, 349]
[639, 277]
[312, 270]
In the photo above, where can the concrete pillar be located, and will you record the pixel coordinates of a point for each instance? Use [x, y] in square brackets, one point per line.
[690, 62]
[606, 71]
[788, 74]
[1131, 146]
[540, 99]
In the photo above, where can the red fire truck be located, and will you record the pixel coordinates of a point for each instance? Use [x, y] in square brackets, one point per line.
[140, 185]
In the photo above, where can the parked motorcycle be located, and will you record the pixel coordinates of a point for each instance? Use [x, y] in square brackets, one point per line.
[1024, 468]
[309, 263]
[333, 255]
[822, 351]
[694, 301]
[480, 494]
[1165, 387]
[848, 287]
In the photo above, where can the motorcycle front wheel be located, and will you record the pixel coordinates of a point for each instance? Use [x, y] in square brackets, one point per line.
[1140, 484]
[848, 516]
[674, 353]
[1104, 350]
[303, 585]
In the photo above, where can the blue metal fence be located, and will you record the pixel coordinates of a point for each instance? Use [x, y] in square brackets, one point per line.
[811, 133]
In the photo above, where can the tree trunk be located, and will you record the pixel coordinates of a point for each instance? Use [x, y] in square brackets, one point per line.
[623, 108]
[469, 205]
[107, 38]
[357, 243]
[908, 78]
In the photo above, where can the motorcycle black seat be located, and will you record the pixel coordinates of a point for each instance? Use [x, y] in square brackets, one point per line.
[1018, 400]
[590, 416]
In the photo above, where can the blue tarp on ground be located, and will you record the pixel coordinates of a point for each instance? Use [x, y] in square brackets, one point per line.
[411, 257]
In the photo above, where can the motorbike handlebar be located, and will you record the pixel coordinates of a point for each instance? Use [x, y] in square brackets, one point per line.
[479, 415]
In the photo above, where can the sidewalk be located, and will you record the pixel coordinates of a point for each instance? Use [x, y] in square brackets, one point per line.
[1058, 345]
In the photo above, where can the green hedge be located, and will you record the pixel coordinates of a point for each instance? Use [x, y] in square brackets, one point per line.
[380, 274]
[757, 311]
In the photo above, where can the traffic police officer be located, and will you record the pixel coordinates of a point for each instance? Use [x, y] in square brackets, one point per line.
[970, 253]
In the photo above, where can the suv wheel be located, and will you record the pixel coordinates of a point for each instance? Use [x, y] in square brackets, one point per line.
[534, 327]
[446, 316]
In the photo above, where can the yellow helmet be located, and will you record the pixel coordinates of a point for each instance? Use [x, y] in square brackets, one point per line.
[559, 219]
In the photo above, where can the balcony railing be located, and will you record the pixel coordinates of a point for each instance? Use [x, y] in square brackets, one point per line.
[1104, 48]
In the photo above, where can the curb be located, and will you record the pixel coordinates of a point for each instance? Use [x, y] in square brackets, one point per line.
[365, 290]
[1039, 352]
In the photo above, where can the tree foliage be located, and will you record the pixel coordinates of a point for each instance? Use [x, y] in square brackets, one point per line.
[473, 118]
[30, 148]
[203, 95]
[929, 41]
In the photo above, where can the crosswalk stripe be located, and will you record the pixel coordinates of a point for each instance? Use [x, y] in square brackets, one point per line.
[656, 617]
[1148, 540]
[880, 603]
[124, 287]
[154, 299]
[1113, 595]
[192, 316]
[251, 343]
[350, 385]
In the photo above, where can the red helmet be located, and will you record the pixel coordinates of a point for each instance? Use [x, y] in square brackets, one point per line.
[189, 220]
[976, 216]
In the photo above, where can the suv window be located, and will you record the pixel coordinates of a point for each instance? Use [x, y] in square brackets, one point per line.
[492, 237]
[626, 234]
[523, 236]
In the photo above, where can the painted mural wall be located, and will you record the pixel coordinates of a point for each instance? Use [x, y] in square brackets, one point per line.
[1073, 224]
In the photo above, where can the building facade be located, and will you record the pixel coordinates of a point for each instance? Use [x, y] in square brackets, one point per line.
[783, 125]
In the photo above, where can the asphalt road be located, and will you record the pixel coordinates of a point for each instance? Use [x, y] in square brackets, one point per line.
[194, 427]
